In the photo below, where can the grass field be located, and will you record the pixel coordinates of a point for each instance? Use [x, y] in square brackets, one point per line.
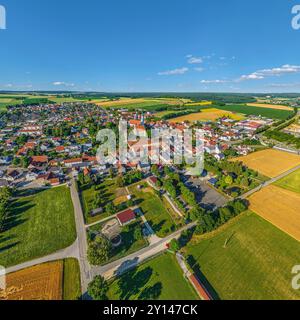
[270, 106]
[37, 226]
[109, 192]
[158, 279]
[41, 282]
[71, 280]
[270, 162]
[290, 182]
[257, 111]
[211, 114]
[280, 207]
[154, 209]
[256, 263]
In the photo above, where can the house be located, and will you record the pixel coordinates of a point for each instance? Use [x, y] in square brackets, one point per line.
[126, 217]
[39, 160]
[213, 181]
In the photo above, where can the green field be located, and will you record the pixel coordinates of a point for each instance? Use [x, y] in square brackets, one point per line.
[37, 226]
[290, 182]
[158, 279]
[88, 193]
[154, 210]
[256, 263]
[249, 110]
[71, 279]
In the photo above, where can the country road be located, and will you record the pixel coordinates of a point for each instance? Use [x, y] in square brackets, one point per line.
[269, 182]
[120, 266]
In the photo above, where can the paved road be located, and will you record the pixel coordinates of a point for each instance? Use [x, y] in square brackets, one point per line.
[120, 266]
[70, 252]
[85, 268]
[267, 183]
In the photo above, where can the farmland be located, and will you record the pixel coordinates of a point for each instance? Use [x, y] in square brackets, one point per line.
[151, 281]
[280, 207]
[290, 182]
[270, 106]
[270, 162]
[255, 264]
[257, 111]
[38, 225]
[155, 210]
[49, 281]
[211, 114]
[41, 282]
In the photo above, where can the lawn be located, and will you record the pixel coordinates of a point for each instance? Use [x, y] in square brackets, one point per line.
[154, 209]
[129, 243]
[37, 226]
[107, 190]
[158, 279]
[71, 279]
[256, 263]
[290, 182]
[256, 111]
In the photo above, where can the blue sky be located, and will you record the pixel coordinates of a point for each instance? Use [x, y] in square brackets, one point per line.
[143, 45]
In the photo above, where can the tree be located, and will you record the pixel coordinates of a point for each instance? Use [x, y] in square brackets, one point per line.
[120, 182]
[229, 180]
[110, 208]
[98, 251]
[174, 245]
[97, 289]
[138, 233]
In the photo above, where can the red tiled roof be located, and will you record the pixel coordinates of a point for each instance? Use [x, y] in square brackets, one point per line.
[39, 159]
[126, 216]
[200, 288]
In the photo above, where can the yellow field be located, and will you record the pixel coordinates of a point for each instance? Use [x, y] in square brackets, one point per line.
[280, 207]
[270, 106]
[41, 282]
[270, 162]
[207, 115]
[121, 102]
[202, 103]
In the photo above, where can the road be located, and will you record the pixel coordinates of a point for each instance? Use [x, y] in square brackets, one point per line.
[120, 266]
[85, 268]
[269, 182]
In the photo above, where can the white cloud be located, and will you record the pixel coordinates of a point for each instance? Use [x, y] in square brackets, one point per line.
[194, 60]
[217, 81]
[61, 83]
[174, 72]
[199, 69]
[261, 74]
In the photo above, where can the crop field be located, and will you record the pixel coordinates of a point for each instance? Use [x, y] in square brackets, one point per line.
[257, 111]
[270, 162]
[211, 114]
[280, 207]
[37, 226]
[270, 106]
[290, 182]
[160, 278]
[41, 282]
[255, 264]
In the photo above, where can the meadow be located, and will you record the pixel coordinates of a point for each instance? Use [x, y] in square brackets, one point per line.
[158, 279]
[38, 225]
[270, 162]
[290, 182]
[255, 263]
[154, 209]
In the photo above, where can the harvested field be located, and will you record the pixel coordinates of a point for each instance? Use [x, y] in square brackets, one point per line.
[41, 282]
[210, 114]
[270, 162]
[270, 106]
[280, 207]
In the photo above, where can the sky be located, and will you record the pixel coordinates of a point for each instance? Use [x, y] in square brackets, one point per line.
[144, 46]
